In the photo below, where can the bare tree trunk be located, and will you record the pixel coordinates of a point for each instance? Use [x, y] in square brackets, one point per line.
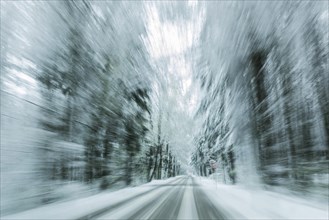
[155, 166]
[150, 163]
[160, 163]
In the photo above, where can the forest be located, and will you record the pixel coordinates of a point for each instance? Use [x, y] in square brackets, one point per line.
[265, 110]
[101, 95]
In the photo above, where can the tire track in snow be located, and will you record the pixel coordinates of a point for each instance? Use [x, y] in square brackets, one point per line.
[205, 207]
[170, 207]
[103, 211]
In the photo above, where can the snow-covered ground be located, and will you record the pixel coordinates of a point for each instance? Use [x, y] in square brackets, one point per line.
[182, 198]
[253, 203]
[82, 207]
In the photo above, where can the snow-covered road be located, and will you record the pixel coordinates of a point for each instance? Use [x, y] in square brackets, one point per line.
[179, 199]
[182, 197]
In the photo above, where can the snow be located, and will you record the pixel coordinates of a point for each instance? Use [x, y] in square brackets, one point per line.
[255, 203]
[238, 202]
[87, 205]
[188, 209]
[131, 206]
[189, 57]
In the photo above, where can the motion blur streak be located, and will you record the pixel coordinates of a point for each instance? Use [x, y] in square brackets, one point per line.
[210, 109]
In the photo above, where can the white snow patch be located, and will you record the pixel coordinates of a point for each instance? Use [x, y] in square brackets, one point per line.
[253, 203]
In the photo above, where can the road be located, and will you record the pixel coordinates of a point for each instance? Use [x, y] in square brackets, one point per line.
[179, 199]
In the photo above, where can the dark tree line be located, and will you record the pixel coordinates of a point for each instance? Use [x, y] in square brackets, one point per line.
[92, 104]
[270, 102]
